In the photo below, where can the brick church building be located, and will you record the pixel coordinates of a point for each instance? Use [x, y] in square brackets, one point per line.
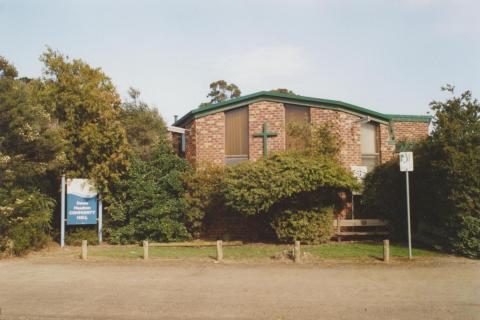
[231, 131]
[239, 130]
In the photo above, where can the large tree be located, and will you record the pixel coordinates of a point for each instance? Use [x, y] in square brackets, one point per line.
[143, 124]
[221, 90]
[86, 105]
[30, 152]
[284, 90]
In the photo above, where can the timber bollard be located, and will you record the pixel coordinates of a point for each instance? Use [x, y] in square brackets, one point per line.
[386, 250]
[296, 252]
[219, 250]
[339, 229]
[145, 250]
[84, 250]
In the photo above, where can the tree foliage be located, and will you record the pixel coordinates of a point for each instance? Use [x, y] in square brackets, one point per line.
[254, 187]
[86, 105]
[143, 125]
[308, 226]
[445, 184]
[284, 90]
[30, 150]
[7, 70]
[24, 220]
[221, 90]
[204, 195]
[313, 140]
[149, 203]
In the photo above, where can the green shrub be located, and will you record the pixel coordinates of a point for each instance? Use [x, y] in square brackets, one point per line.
[149, 204]
[24, 220]
[254, 188]
[308, 226]
[257, 191]
[445, 186]
[75, 235]
[388, 205]
[204, 196]
[253, 193]
[467, 238]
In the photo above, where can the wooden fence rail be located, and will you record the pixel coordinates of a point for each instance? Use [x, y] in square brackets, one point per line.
[353, 224]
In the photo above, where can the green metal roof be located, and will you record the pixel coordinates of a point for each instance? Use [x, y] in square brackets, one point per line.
[295, 99]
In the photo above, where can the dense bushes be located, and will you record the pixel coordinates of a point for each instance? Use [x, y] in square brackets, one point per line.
[204, 196]
[308, 226]
[279, 194]
[445, 185]
[466, 239]
[24, 220]
[287, 189]
[30, 150]
[149, 203]
[254, 187]
[71, 121]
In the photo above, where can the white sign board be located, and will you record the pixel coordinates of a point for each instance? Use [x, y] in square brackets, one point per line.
[81, 202]
[406, 161]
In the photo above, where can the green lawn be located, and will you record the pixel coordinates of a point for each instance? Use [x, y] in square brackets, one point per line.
[362, 250]
[258, 251]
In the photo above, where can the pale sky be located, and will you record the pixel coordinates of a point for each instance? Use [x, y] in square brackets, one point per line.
[391, 56]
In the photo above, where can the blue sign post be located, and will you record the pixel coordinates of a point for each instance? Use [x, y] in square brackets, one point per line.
[81, 206]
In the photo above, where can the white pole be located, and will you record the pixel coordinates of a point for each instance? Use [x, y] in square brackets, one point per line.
[408, 218]
[100, 220]
[62, 215]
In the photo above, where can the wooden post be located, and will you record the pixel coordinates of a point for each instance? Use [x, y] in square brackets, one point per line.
[219, 250]
[84, 250]
[10, 248]
[386, 250]
[339, 229]
[296, 251]
[145, 250]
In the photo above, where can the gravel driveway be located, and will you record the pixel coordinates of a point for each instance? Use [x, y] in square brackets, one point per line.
[438, 288]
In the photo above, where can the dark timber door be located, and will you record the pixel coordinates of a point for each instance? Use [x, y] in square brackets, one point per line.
[236, 135]
[295, 116]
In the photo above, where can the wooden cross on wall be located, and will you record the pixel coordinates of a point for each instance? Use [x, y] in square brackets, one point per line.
[265, 134]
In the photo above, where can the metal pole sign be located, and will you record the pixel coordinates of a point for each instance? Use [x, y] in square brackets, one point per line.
[406, 165]
[80, 206]
[62, 215]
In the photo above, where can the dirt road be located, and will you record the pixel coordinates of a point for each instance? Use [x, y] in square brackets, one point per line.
[443, 288]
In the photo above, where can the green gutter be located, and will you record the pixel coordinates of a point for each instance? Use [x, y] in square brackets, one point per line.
[409, 118]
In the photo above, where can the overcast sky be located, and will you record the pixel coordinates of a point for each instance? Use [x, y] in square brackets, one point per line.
[391, 56]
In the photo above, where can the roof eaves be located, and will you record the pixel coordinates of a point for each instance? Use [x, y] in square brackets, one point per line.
[210, 108]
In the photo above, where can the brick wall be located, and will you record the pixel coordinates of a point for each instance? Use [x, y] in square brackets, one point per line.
[210, 139]
[191, 142]
[347, 130]
[205, 136]
[274, 114]
[406, 130]
[386, 148]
